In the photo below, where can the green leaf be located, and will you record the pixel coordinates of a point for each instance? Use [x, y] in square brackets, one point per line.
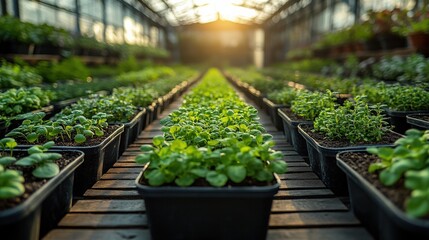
[46, 170]
[213, 143]
[143, 158]
[32, 137]
[418, 204]
[158, 140]
[6, 161]
[236, 173]
[26, 161]
[178, 145]
[389, 178]
[146, 148]
[80, 138]
[35, 149]
[48, 145]
[278, 166]
[184, 181]
[156, 178]
[216, 179]
[200, 172]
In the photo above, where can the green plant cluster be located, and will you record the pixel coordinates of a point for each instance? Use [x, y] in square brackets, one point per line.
[214, 136]
[256, 79]
[138, 97]
[409, 160]
[42, 163]
[71, 68]
[14, 102]
[412, 69]
[145, 76]
[396, 97]
[309, 104]
[119, 111]
[283, 96]
[65, 128]
[354, 121]
[14, 30]
[13, 76]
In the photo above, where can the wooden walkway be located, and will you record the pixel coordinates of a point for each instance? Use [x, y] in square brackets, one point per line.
[303, 208]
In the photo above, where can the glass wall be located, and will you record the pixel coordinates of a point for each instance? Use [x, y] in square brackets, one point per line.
[113, 21]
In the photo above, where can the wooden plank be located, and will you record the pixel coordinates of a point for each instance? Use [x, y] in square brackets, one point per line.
[313, 219]
[124, 170]
[293, 176]
[286, 152]
[128, 164]
[103, 220]
[114, 184]
[308, 205]
[119, 176]
[112, 194]
[98, 234]
[297, 164]
[130, 153]
[113, 206]
[299, 169]
[293, 158]
[349, 233]
[294, 184]
[303, 193]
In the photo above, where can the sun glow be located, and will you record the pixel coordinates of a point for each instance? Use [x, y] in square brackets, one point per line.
[226, 10]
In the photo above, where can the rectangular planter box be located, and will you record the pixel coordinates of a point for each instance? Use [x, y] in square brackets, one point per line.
[418, 123]
[383, 219]
[290, 129]
[43, 209]
[272, 111]
[398, 119]
[208, 212]
[323, 162]
[130, 133]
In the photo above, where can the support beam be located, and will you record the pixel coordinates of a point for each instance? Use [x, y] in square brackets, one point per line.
[15, 5]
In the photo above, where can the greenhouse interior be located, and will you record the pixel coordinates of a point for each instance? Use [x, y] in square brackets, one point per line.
[214, 119]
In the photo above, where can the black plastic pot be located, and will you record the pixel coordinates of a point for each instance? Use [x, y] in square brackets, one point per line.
[323, 161]
[382, 218]
[398, 119]
[105, 153]
[272, 111]
[292, 135]
[43, 209]
[208, 212]
[417, 122]
[130, 133]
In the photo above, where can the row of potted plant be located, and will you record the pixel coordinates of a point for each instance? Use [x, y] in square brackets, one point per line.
[79, 128]
[213, 160]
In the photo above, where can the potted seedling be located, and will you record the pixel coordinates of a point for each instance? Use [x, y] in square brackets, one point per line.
[213, 170]
[305, 107]
[35, 188]
[389, 187]
[355, 125]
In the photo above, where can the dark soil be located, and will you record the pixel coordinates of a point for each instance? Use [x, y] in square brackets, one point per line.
[31, 183]
[360, 163]
[89, 142]
[388, 138]
[292, 115]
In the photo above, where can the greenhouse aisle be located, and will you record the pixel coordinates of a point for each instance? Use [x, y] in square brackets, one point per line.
[303, 208]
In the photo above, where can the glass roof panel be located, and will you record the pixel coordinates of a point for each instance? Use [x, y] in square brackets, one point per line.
[183, 12]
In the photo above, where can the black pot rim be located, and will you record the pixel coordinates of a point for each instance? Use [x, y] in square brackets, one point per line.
[285, 117]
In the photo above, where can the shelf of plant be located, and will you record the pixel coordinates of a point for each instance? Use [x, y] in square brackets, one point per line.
[302, 209]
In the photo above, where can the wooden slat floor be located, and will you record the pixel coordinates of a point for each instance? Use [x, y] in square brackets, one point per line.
[303, 208]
